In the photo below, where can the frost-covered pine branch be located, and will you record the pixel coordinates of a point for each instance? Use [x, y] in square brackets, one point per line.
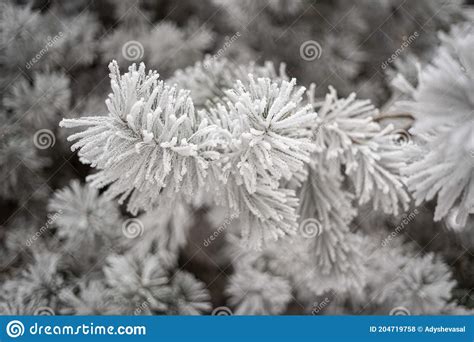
[39, 283]
[141, 285]
[153, 132]
[138, 281]
[165, 46]
[345, 59]
[348, 136]
[35, 40]
[326, 211]
[256, 291]
[20, 161]
[210, 78]
[42, 104]
[163, 231]
[83, 217]
[240, 148]
[443, 163]
[189, 295]
[228, 164]
[92, 298]
[268, 129]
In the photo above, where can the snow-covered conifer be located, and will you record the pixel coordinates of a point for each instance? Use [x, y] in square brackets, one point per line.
[443, 107]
